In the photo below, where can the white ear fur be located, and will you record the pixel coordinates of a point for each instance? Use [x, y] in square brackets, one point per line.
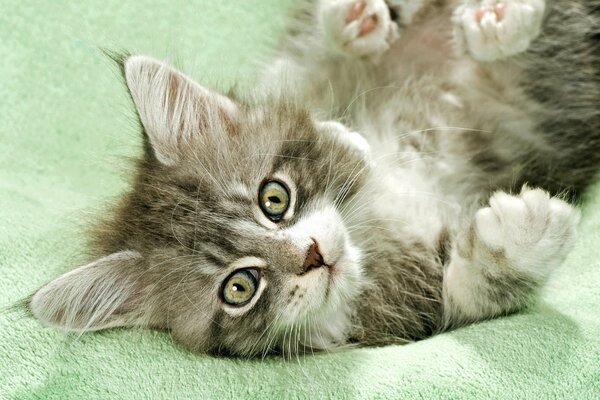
[89, 297]
[172, 107]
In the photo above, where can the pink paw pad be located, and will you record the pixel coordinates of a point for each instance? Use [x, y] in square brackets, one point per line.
[368, 24]
[498, 9]
[356, 11]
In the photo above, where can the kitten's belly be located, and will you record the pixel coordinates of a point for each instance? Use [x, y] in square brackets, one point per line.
[440, 116]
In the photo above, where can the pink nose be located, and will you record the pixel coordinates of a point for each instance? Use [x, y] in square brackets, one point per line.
[314, 259]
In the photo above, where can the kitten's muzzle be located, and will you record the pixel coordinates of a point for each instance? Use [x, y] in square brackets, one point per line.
[314, 259]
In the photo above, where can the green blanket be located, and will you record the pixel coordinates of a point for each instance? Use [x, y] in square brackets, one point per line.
[66, 129]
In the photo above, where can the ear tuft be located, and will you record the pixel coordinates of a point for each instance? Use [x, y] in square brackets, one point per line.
[118, 57]
[174, 110]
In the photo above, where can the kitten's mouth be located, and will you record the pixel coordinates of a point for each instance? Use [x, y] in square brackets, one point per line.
[332, 271]
[327, 263]
[322, 265]
[331, 274]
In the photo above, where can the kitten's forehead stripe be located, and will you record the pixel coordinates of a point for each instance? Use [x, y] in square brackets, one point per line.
[241, 193]
[215, 257]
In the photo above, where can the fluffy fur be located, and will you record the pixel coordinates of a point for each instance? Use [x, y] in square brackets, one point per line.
[424, 222]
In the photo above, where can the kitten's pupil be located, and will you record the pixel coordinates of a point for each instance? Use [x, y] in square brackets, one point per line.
[237, 288]
[274, 199]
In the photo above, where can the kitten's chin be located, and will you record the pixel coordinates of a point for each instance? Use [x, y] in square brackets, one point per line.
[320, 302]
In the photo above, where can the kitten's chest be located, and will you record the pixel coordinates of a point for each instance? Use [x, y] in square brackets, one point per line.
[404, 198]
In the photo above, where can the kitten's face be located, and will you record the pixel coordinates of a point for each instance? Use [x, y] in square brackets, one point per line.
[236, 235]
[266, 251]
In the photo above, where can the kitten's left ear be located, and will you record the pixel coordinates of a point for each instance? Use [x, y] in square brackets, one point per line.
[174, 109]
[103, 294]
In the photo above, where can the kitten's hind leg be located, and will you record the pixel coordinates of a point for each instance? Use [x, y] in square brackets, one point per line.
[506, 255]
[491, 30]
[357, 28]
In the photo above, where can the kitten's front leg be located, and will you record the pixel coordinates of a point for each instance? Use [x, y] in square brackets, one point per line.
[491, 30]
[357, 28]
[508, 252]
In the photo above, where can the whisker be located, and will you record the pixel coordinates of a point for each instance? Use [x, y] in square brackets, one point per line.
[284, 156]
[363, 93]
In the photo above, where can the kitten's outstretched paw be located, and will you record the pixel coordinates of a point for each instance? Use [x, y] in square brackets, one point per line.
[533, 231]
[495, 29]
[358, 28]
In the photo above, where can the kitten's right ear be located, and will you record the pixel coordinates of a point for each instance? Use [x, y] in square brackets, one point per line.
[174, 110]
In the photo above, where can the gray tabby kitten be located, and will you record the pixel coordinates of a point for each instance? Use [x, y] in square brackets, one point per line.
[270, 225]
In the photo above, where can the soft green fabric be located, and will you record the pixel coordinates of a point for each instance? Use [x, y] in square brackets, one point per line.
[65, 126]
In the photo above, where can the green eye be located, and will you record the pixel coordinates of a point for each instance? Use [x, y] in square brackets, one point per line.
[274, 200]
[240, 287]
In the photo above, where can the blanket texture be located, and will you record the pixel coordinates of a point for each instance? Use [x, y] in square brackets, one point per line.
[66, 130]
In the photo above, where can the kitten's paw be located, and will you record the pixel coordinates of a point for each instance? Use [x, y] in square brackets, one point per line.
[495, 29]
[533, 231]
[358, 28]
[352, 139]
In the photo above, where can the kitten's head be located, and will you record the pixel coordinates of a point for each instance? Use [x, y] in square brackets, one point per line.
[235, 236]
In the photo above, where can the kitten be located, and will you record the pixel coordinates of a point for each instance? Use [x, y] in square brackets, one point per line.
[269, 225]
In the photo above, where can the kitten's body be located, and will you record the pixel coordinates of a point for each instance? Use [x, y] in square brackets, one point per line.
[407, 244]
[446, 132]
